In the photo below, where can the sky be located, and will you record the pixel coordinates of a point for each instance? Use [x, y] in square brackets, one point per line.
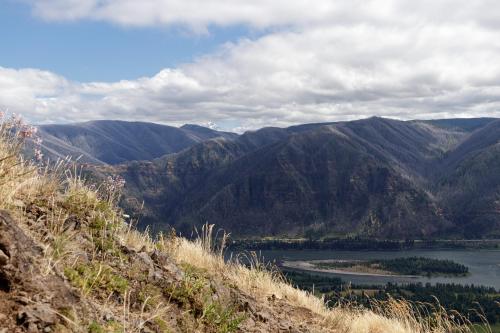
[248, 64]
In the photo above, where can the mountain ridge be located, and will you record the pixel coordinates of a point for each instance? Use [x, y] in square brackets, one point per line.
[375, 177]
[113, 141]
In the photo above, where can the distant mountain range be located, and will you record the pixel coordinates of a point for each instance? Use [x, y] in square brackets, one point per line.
[113, 142]
[376, 177]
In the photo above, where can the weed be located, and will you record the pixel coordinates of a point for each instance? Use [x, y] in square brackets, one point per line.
[222, 319]
[95, 327]
[96, 276]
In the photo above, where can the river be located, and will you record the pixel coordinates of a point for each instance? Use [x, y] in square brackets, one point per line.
[484, 265]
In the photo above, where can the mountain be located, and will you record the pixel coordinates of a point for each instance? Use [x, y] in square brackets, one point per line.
[370, 178]
[374, 177]
[113, 142]
[469, 186]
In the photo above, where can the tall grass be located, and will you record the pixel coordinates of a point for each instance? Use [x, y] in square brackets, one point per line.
[262, 282]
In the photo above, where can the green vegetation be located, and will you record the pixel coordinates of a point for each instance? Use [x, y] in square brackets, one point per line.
[95, 276]
[478, 303]
[196, 295]
[95, 328]
[358, 243]
[401, 266]
[420, 265]
[111, 327]
[223, 319]
[495, 328]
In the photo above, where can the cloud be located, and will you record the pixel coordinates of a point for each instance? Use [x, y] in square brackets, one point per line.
[331, 61]
[264, 13]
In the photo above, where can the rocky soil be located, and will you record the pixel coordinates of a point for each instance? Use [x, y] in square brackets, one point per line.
[36, 299]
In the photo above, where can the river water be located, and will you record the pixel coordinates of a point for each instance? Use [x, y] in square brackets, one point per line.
[484, 265]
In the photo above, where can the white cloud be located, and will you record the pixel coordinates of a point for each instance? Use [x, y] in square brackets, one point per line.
[334, 60]
[265, 13]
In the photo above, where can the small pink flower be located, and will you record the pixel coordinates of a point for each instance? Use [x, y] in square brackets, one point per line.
[114, 184]
[27, 131]
[38, 155]
[17, 120]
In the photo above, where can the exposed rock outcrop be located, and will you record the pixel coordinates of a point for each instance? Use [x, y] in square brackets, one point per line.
[29, 300]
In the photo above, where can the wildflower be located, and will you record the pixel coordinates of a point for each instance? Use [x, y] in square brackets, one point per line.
[114, 184]
[38, 154]
[27, 131]
[17, 120]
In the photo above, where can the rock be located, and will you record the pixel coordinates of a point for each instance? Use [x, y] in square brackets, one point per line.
[153, 273]
[35, 211]
[146, 259]
[39, 314]
[29, 297]
[164, 261]
[108, 317]
[262, 316]
[83, 257]
[32, 328]
[127, 250]
[159, 257]
[72, 223]
[4, 259]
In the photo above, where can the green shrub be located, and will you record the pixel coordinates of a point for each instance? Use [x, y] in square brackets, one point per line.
[96, 276]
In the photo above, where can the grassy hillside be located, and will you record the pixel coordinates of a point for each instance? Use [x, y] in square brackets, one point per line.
[71, 261]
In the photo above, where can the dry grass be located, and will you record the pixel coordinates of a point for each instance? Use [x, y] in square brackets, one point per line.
[261, 281]
[63, 193]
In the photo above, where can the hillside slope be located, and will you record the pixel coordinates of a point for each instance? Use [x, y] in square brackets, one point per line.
[469, 185]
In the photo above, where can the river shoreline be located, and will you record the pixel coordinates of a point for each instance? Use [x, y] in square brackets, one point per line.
[309, 266]
[363, 244]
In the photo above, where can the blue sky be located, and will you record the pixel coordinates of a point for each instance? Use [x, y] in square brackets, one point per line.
[248, 64]
[101, 51]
